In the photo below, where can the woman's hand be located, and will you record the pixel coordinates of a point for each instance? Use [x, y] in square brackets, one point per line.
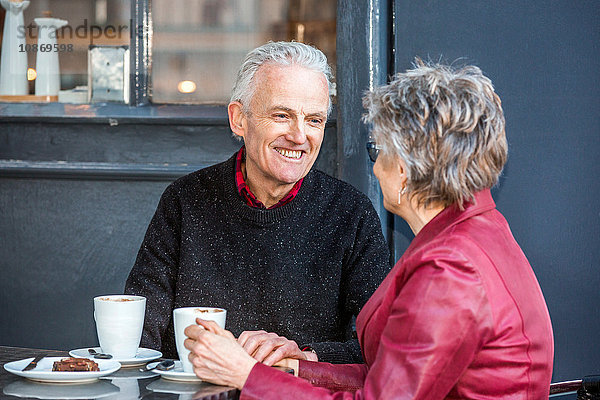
[216, 355]
[270, 348]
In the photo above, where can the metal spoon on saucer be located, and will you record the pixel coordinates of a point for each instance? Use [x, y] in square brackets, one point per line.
[102, 356]
[164, 365]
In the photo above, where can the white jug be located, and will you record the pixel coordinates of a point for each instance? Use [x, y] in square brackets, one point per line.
[47, 82]
[13, 60]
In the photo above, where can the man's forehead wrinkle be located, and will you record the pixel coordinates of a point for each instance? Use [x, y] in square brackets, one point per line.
[271, 92]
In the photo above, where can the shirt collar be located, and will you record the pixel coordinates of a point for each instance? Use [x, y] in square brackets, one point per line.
[247, 194]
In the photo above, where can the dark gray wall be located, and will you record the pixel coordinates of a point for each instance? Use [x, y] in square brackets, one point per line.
[543, 57]
[75, 200]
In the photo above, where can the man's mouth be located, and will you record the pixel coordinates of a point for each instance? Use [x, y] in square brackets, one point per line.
[295, 154]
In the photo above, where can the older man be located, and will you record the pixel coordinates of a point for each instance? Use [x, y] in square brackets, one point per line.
[282, 247]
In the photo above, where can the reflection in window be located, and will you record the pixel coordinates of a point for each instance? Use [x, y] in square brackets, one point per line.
[198, 45]
[89, 22]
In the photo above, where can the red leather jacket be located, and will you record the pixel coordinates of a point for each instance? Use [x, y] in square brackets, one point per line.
[461, 315]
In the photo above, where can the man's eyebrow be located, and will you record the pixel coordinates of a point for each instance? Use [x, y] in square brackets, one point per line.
[293, 112]
[282, 108]
[317, 114]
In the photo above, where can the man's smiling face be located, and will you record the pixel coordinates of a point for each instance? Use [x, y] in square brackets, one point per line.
[284, 127]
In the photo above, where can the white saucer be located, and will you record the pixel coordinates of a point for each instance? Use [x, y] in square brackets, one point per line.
[130, 374]
[43, 371]
[142, 356]
[177, 373]
[29, 389]
[175, 387]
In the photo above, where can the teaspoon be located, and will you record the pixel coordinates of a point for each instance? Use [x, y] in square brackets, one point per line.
[163, 366]
[102, 356]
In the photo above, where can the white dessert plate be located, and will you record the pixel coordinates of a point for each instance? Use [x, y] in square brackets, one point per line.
[177, 373]
[43, 371]
[29, 389]
[142, 356]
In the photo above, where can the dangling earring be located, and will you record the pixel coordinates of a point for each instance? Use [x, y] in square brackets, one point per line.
[400, 194]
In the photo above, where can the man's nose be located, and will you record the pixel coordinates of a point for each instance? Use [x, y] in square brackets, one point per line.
[297, 133]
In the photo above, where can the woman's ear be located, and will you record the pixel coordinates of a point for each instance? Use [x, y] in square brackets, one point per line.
[401, 170]
[237, 118]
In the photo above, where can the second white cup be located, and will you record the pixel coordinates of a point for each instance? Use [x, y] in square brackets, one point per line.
[119, 324]
[186, 316]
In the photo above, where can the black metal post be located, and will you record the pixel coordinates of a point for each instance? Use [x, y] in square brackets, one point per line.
[140, 52]
[363, 56]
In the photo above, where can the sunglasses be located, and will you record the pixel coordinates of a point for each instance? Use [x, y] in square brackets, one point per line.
[373, 150]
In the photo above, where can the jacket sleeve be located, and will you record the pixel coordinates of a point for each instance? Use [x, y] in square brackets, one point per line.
[265, 383]
[155, 270]
[366, 263]
[335, 377]
[436, 325]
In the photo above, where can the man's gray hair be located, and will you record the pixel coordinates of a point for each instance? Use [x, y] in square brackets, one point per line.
[446, 124]
[282, 53]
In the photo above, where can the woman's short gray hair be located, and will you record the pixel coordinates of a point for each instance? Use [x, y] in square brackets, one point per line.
[446, 124]
[283, 53]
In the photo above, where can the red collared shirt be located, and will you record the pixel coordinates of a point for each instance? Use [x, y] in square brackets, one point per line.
[248, 196]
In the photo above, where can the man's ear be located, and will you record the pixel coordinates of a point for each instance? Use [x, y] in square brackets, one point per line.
[237, 118]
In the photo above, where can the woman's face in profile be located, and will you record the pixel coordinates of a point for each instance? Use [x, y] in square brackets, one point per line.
[391, 179]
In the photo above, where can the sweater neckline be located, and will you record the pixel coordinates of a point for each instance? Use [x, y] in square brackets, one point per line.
[235, 205]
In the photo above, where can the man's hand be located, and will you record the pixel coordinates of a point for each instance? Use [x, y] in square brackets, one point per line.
[270, 348]
[216, 355]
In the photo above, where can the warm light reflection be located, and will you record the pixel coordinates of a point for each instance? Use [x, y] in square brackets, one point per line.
[300, 33]
[31, 74]
[186, 87]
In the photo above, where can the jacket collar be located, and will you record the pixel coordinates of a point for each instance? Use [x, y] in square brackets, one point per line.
[452, 215]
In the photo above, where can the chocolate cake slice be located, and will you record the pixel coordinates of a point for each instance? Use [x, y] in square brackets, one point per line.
[75, 364]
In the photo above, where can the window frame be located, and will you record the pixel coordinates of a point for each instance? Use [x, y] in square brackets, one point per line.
[140, 108]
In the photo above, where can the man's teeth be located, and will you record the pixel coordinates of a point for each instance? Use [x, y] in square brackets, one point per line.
[290, 153]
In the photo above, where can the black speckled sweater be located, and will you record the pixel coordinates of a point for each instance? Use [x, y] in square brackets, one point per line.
[301, 270]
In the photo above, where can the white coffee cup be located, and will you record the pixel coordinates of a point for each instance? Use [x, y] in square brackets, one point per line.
[186, 316]
[119, 324]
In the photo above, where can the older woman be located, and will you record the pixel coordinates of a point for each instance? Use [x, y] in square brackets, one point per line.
[461, 315]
